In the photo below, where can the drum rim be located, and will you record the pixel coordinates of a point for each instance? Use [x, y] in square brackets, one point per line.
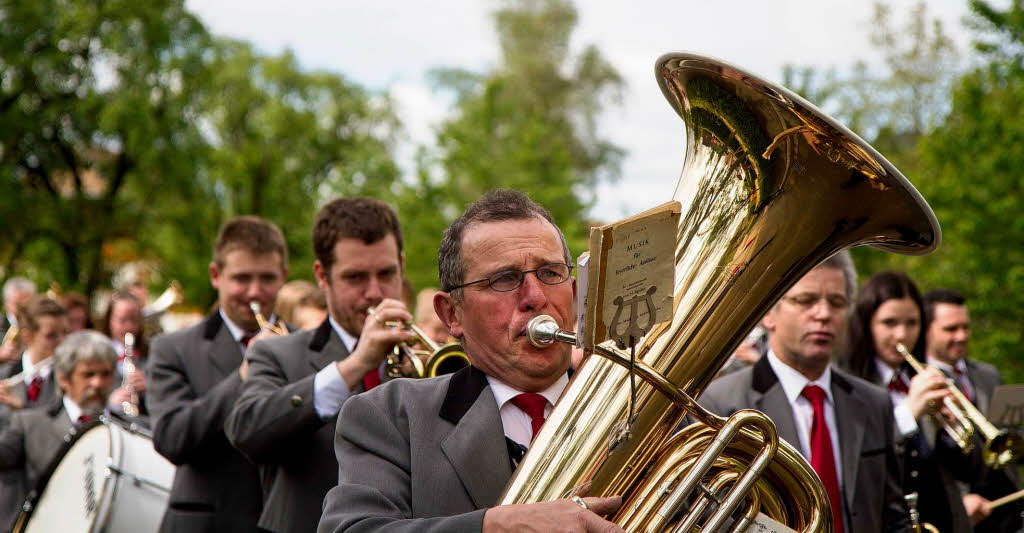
[34, 495]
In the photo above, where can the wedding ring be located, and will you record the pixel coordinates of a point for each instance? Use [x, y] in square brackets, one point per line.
[579, 501]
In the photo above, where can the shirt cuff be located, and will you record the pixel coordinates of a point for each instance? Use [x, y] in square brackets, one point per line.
[329, 391]
[905, 422]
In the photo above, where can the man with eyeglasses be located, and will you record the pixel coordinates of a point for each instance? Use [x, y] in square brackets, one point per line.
[842, 424]
[435, 454]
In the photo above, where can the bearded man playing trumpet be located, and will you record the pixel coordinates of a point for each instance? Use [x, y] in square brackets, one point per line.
[434, 454]
[285, 418]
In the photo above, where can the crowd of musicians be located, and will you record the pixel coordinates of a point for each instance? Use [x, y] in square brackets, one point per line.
[301, 430]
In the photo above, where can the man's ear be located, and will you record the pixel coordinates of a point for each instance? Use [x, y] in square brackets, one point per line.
[64, 382]
[768, 321]
[448, 311]
[320, 274]
[214, 275]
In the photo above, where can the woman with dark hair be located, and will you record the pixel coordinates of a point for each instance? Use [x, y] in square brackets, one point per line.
[123, 316]
[888, 312]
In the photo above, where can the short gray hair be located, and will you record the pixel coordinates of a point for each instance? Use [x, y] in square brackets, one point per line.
[493, 206]
[85, 345]
[843, 262]
[18, 284]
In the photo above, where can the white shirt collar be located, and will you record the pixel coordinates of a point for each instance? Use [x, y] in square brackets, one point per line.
[948, 368]
[885, 372]
[42, 369]
[72, 409]
[503, 392]
[793, 382]
[236, 331]
[346, 337]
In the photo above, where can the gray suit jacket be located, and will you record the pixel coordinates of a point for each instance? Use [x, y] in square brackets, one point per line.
[275, 424]
[29, 442]
[426, 455]
[49, 393]
[870, 469]
[193, 384]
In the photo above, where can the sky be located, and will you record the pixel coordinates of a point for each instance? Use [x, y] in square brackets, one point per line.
[390, 46]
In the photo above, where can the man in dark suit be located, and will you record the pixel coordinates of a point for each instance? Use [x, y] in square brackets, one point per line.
[17, 291]
[434, 454]
[285, 417]
[947, 332]
[44, 324]
[84, 365]
[842, 424]
[195, 376]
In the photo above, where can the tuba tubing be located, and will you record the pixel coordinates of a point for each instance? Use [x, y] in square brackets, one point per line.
[770, 187]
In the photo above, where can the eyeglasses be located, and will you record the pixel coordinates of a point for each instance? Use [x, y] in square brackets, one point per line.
[510, 280]
[807, 301]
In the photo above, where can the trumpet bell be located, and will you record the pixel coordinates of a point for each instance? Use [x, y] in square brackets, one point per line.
[1004, 449]
[448, 359]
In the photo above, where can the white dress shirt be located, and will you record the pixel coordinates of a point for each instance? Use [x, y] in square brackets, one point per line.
[516, 423]
[236, 331]
[72, 409]
[906, 425]
[42, 369]
[793, 384]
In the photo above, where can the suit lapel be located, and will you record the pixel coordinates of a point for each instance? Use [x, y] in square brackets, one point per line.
[225, 353]
[850, 421]
[980, 385]
[769, 398]
[476, 445]
[326, 347]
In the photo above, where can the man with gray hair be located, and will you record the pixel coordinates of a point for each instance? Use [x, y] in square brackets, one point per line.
[16, 292]
[842, 424]
[84, 364]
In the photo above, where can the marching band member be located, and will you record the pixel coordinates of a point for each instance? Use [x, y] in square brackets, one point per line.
[195, 376]
[285, 417]
[889, 311]
[84, 366]
[123, 317]
[43, 325]
[434, 454]
[842, 424]
[17, 291]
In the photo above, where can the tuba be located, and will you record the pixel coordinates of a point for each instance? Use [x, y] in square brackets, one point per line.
[770, 187]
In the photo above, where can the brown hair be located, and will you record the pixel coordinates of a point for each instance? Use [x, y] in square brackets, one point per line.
[366, 219]
[250, 233]
[77, 300]
[141, 348]
[38, 306]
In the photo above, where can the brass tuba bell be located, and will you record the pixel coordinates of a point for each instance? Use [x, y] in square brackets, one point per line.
[770, 187]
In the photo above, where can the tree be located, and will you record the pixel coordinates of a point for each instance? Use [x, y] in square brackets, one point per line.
[531, 124]
[94, 109]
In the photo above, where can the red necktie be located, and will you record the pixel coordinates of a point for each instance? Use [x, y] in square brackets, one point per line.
[533, 405]
[962, 383]
[34, 387]
[246, 339]
[371, 379]
[896, 384]
[822, 456]
[84, 419]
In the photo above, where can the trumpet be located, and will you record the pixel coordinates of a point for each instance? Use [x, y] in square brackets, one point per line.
[440, 360]
[7, 383]
[171, 296]
[130, 407]
[11, 336]
[266, 325]
[1003, 447]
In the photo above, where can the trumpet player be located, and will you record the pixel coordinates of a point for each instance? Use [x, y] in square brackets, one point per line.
[434, 454]
[888, 313]
[947, 332]
[285, 417]
[16, 292]
[195, 376]
[29, 380]
[123, 318]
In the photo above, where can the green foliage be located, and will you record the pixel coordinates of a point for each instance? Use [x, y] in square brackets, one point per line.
[530, 125]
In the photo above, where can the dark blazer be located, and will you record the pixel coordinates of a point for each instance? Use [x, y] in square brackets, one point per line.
[29, 442]
[193, 384]
[990, 483]
[424, 455]
[871, 488]
[275, 424]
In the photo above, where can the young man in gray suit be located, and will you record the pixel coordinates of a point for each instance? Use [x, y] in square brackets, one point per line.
[286, 414]
[84, 365]
[843, 425]
[195, 376]
[434, 454]
[947, 330]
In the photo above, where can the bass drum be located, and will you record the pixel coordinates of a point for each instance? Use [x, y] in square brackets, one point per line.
[107, 478]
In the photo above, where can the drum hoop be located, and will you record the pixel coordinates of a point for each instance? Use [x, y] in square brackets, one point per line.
[32, 499]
